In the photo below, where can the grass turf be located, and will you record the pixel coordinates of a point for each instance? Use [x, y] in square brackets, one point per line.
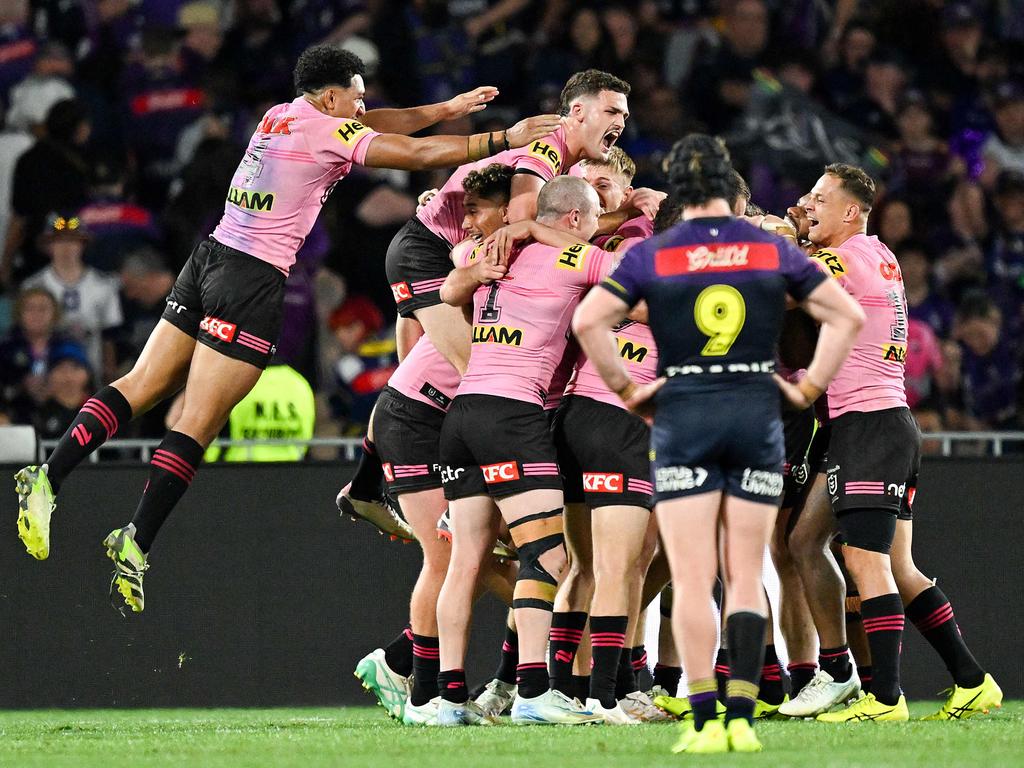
[223, 738]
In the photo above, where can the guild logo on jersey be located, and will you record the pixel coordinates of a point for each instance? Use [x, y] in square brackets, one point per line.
[723, 256]
[602, 482]
[218, 328]
[679, 478]
[250, 200]
[831, 260]
[715, 257]
[497, 334]
[401, 292]
[350, 132]
[894, 353]
[572, 257]
[761, 483]
[548, 154]
[500, 473]
[634, 353]
[389, 473]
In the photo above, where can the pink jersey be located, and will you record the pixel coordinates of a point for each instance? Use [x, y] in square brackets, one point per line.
[444, 214]
[425, 374]
[637, 349]
[521, 322]
[871, 379]
[563, 372]
[294, 158]
[924, 361]
[633, 231]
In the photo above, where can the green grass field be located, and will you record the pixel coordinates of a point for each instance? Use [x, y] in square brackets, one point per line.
[219, 738]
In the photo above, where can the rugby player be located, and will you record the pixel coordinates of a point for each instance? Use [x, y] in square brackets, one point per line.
[407, 425]
[496, 445]
[873, 462]
[229, 295]
[717, 433]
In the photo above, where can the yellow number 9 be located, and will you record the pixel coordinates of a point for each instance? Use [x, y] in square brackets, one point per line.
[719, 312]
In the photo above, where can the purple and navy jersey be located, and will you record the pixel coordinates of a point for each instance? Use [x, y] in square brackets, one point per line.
[716, 291]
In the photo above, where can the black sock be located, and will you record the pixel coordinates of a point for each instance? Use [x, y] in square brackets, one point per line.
[509, 657]
[426, 666]
[864, 673]
[452, 685]
[883, 623]
[638, 656]
[744, 631]
[563, 642]
[581, 687]
[97, 422]
[366, 483]
[933, 616]
[532, 679]
[800, 674]
[703, 696]
[398, 653]
[668, 678]
[625, 677]
[771, 690]
[607, 639]
[722, 671]
[836, 661]
[170, 473]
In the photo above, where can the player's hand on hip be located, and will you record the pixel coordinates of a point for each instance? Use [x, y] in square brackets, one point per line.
[531, 129]
[501, 242]
[794, 394]
[469, 102]
[641, 402]
[645, 200]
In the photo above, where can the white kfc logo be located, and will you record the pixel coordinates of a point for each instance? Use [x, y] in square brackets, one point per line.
[218, 328]
[500, 473]
[602, 482]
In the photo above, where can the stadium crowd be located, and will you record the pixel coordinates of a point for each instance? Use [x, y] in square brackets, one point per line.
[123, 123]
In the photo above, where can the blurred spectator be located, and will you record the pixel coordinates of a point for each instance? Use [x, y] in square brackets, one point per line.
[722, 78]
[117, 224]
[68, 385]
[27, 350]
[256, 50]
[990, 369]
[845, 80]
[1004, 150]
[89, 301]
[145, 283]
[17, 44]
[924, 302]
[585, 44]
[923, 170]
[367, 360]
[59, 154]
[895, 222]
[328, 21]
[951, 72]
[874, 109]
[1005, 254]
[48, 83]
[161, 98]
[199, 23]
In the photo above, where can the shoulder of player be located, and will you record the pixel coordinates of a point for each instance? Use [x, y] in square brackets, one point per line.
[465, 252]
[549, 151]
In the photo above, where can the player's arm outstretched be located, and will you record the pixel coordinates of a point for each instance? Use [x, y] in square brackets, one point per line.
[413, 119]
[390, 150]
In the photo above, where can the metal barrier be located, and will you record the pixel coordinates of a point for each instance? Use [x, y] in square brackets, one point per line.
[971, 444]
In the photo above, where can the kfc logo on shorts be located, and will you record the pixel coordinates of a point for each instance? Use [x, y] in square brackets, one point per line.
[389, 473]
[218, 328]
[602, 482]
[500, 473]
[401, 292]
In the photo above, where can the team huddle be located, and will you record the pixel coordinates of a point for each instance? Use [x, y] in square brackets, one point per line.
[606, 394]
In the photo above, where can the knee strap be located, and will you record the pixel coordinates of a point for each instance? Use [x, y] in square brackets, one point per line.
[534, 535]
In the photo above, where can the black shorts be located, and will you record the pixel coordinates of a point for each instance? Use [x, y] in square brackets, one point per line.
[718, 439]
[797, 431]
[873, 461]
[407, 434]
[603, 454]
[496, 446]
[229, 301]
[417, 263]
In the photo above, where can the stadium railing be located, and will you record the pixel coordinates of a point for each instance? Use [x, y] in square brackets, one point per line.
[972, 444]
